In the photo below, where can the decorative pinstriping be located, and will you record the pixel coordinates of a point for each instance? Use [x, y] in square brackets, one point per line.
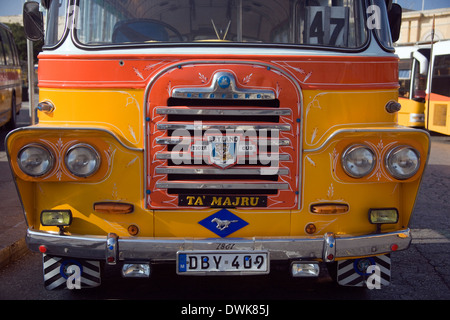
[56, 275]
[353, 272]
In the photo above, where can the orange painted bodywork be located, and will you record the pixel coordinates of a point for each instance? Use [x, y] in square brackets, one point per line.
[134, 71]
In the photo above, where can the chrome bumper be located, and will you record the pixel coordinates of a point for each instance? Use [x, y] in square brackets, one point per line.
[112, 248]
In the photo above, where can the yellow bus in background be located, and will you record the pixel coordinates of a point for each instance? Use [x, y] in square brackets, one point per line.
[437, 111]
[424, 78]
[413, 75]
[10, 79]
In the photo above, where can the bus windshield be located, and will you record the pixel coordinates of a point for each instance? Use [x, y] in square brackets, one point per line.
[336, 23]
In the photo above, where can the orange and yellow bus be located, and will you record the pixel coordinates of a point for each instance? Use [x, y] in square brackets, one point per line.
[217, 136]
[10, 79]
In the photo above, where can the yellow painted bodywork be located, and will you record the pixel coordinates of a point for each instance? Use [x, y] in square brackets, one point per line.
[438, 116]
[407, 112]
[113, 121]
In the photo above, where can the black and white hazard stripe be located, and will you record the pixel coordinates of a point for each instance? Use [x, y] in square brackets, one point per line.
[353, 272]
[58, 273]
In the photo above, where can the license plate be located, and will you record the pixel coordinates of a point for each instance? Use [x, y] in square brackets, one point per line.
[223, 262]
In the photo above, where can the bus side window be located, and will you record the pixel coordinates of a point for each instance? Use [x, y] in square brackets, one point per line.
[14, 51]
[327, 26]
[441, 75]
[9, 59]
[2, 51]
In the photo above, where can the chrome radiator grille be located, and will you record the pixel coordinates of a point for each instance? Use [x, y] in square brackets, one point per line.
[212, 141]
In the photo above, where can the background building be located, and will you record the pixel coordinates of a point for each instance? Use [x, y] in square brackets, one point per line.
[417, 26]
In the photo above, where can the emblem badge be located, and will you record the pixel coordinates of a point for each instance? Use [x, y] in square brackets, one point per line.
[223, 223]
[224, 82]
[223, 150]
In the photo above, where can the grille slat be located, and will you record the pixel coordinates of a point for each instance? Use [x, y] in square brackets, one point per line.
[187, 156]
[231, 171]
[222, 112]
[187, 141]
[232, 185]
[222, 127]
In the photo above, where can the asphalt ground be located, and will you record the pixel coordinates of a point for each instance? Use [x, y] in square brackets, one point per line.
[12, 222]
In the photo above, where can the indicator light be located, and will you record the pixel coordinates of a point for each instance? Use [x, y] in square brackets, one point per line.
[113, 207]
[133, 230]
[310, 228]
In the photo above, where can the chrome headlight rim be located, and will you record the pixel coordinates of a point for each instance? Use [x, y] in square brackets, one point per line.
[394, 173]
[51, 159]
[352, 148]
[96, 157]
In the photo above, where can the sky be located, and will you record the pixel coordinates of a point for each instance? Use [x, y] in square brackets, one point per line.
[11, 7]
[417, 4]
[14, 7]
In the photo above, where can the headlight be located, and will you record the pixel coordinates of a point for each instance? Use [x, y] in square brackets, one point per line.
[403, 162]
[358, 161]
[385, 215]
[56, 218]
[35, 160]
[82, 160]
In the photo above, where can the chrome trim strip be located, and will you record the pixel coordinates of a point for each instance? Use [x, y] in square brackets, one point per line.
[74, 129]
[221, 185]
[172, 140]
[363, 130]
[152, 248]
[227, 91]
[232, 171]
[223, 112]
[201, 126]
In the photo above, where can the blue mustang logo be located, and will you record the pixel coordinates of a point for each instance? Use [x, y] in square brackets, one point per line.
[223, 223]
